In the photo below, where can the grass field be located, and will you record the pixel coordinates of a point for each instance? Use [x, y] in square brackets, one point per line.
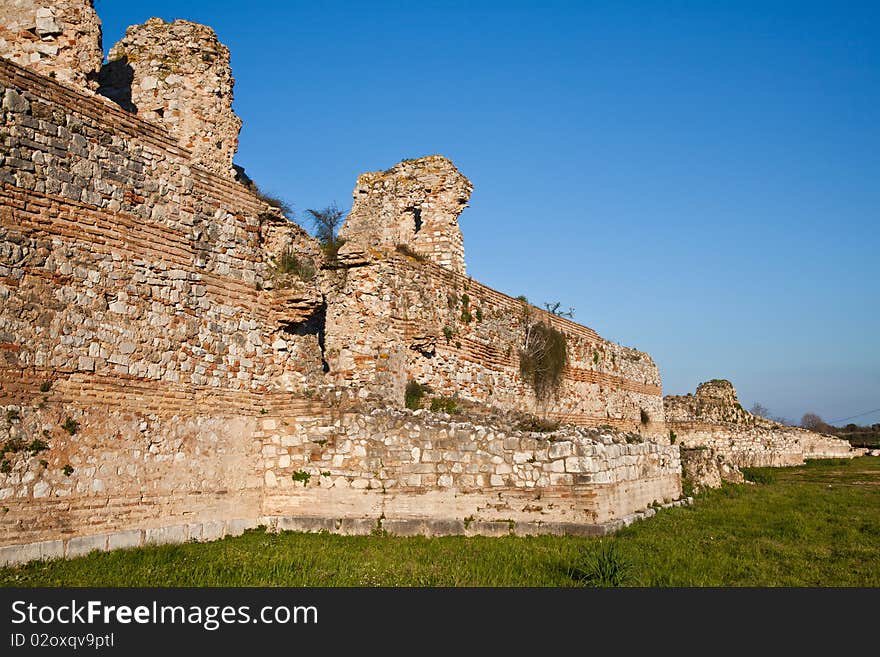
[816, 525]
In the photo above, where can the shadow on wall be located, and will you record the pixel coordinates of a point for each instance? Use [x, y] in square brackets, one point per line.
[115, 80]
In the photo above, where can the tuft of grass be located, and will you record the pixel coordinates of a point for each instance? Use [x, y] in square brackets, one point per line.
[290, 263]
[45, 386]
[600, 565]
[275, 202]
[70, 425]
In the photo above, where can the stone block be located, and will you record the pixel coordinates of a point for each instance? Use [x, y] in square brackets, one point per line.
[305, 524]
[165, 535]
[127, 539]
[238, 526]
[357, 526]
[212, 530]
[81, 545]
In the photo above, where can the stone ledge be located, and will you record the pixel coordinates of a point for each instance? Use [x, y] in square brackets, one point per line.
[211, 530]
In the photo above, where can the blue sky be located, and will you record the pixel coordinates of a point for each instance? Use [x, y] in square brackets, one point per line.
[700, 180]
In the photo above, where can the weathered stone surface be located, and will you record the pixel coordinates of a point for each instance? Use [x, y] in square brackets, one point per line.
[416, 204]
[127, 539]
[180, 378]
[61, 39]
[81, 545]
[178, 74]
[168, 534]
[714, 419]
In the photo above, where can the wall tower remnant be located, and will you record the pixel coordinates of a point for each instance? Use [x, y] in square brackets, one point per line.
[178, 74]
[416, 204]
[60, 39]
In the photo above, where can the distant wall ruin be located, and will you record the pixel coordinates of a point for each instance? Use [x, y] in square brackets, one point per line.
[714, 419]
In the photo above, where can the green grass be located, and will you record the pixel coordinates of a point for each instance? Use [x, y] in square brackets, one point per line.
[817, 525]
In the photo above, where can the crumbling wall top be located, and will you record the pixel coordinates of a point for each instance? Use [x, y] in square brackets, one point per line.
[416, 204]
[715, 401]
[178, 74]
[60, 39]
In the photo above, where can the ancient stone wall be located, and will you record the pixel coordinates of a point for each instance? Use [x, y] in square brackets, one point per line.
[178, 74]
[60, 39]
[131, 304]
[414, 204]
[396, 318]
[713, 418]
[151, 333]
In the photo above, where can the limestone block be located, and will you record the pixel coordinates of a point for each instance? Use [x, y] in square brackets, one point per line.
[81, 545]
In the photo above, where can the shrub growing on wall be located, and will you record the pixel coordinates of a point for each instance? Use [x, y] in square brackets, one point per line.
[543, 358]
[415, 393]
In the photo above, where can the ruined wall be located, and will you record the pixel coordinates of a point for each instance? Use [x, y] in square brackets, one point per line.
[60, 39]
[415, 203]
[410, 466]
[396, 318]
[150, 334]
[713, 418]
[130, 284]
[178, 74]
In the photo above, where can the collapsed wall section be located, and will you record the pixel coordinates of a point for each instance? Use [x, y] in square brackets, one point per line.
[60, 39]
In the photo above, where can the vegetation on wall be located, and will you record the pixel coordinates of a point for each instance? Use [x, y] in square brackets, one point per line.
[326, 223]
[405, 249]
[415, 394]
[445, 405]
[290, 263]
[542, 358]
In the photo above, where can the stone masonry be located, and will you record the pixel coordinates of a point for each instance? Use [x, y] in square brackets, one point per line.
[164, 376]
[178, 361]
[178, 74]
[416, 204]
[714, 419]
[60, 39]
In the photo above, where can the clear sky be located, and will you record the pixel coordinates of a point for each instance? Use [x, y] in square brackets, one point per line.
[700, 180]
